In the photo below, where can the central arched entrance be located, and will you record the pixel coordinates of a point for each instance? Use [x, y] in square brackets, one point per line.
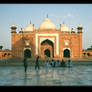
[47, 48]
[27, 53]
[47, 53]
[66, 53]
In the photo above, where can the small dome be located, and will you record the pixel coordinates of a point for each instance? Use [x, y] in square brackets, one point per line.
[13, 26]
[64, 28]
[47, 24]
[29, 28]
[79, 26]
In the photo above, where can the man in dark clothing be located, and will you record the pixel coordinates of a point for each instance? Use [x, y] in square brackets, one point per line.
[53, 63]
[63, 64]
[37, 63]
[25, 64]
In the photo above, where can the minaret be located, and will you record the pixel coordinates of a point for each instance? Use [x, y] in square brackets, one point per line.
[13, 39]
[79, 28]
[79, 32]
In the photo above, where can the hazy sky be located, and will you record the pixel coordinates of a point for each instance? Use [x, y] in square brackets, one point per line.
[21, 15]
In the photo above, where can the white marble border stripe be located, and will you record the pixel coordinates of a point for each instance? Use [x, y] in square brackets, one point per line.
[57, 41]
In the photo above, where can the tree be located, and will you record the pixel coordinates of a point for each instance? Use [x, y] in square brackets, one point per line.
[1, 47]
[88, 54]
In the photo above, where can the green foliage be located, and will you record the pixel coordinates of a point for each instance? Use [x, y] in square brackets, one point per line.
[89, 48]
[88, 54]
[1, 47]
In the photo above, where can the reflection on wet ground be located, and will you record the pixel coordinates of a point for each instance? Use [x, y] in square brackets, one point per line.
[15, 76]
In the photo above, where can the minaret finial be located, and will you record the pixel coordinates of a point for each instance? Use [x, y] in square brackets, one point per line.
[30, 21]
[63, 22]
[47, 15]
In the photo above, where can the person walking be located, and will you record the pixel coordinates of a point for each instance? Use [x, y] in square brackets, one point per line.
[37, 63]
[25, 64]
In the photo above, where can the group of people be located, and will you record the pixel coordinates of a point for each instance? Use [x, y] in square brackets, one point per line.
[58, 63]
[49, 63]
[36, 63]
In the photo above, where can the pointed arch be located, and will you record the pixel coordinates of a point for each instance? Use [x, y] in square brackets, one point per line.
[48, 48]
[27, 53]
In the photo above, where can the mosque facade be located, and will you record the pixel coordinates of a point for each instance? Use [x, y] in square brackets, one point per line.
[46, 41]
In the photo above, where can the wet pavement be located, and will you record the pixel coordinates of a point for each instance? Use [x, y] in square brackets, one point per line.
[75, 76]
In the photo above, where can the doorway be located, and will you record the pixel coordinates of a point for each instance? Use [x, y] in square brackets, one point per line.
[66, 53]
[47, 48]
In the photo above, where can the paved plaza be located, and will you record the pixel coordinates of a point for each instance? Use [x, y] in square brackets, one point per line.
[75, 76]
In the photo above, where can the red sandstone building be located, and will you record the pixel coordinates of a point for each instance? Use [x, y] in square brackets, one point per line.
[87, 53]
[47, 40]
[5, 54]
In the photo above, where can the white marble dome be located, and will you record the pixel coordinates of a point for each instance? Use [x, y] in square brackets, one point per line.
[64, 28]
[47, 24]
[29, 28]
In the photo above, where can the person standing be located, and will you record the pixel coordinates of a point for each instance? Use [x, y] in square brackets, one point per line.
[47, 63]
[25, 64]
[57, 63]
[69, 63]
[53, 63]
[37, 63]
[63, 64]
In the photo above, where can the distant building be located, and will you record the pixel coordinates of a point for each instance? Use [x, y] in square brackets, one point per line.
[47, 41]
[87, 53]
[5, 54]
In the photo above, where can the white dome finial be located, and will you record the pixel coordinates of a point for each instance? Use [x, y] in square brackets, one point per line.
[30, 21]
[47, 15]
[63, 22]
